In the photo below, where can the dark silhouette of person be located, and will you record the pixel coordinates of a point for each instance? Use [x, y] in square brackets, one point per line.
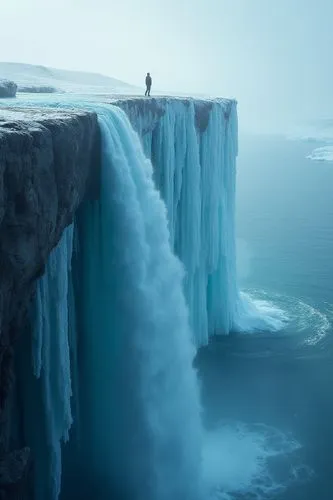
[149, 81]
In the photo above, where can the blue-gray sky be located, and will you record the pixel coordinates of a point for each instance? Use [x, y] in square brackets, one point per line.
[274, 56]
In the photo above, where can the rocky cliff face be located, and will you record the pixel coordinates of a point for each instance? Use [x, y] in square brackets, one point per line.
[46, 165]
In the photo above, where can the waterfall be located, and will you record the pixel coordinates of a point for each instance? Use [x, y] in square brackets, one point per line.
[144, 427]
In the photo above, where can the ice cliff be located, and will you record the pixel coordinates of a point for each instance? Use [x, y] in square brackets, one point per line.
[193, 149]
[107, 362]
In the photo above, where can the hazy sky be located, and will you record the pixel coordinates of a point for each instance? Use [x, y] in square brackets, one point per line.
[274, 56]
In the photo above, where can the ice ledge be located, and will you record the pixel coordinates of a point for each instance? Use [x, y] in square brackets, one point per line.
[152, 109]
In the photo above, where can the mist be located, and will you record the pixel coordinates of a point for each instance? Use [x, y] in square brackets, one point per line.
[274, 57]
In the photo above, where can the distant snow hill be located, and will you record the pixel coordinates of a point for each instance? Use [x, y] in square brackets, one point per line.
[27, 75]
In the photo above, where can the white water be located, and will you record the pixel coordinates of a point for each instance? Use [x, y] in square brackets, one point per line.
[286, 314]
[244, 461]
[259, 315]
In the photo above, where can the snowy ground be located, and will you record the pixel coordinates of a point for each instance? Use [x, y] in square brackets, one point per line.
[63, 80]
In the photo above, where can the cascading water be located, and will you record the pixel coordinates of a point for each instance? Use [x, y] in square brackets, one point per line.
[144, 427]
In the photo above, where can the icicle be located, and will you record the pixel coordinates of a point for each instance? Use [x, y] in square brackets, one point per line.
[51, 363]
[195, 173]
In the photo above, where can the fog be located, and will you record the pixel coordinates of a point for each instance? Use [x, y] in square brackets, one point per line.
[274, 57]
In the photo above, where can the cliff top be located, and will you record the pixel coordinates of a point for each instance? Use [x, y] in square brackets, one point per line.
[148, 109]
[37, 114]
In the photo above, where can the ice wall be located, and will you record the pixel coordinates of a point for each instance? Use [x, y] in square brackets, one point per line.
[47, 392]
[193, 148]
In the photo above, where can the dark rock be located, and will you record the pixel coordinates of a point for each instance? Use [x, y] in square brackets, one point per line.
[14, 474]
[7, 88]
[45, 161]
[13, 466]
[46, 165]
[202, 112]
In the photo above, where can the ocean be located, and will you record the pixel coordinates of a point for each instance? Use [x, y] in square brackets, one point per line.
[271, 392]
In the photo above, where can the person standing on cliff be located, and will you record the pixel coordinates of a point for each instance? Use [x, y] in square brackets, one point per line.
[149, 81]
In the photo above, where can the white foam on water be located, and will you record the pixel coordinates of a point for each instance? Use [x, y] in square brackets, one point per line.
[257, 314]
[322, 321]
[322, 154]
[243, 459]
[263, 311]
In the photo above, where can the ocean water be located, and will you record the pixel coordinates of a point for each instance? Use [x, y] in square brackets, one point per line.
[268, 396]
[285, 225]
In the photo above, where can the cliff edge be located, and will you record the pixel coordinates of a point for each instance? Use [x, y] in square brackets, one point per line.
[45, 163]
